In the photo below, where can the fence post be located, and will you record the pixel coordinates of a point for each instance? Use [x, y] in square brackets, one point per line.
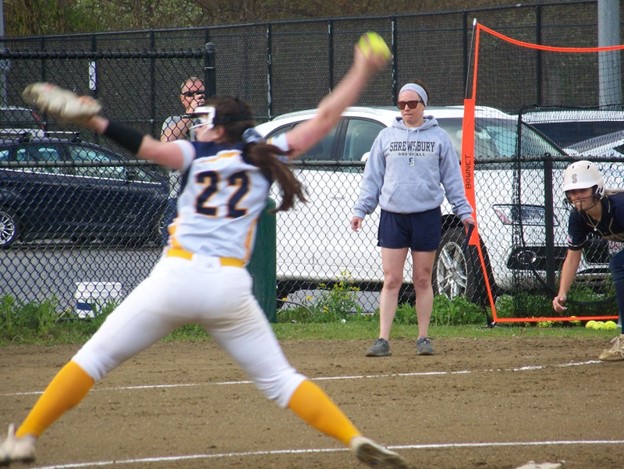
[549, 222]
[210, 74]
[263, 263]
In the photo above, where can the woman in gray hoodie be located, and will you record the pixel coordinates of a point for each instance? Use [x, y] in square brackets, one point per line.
[411, 168]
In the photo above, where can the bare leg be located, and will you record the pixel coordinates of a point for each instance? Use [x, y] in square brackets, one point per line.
[423, 266]
[393, 261]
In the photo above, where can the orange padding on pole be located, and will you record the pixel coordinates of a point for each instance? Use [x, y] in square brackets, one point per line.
[467, 166]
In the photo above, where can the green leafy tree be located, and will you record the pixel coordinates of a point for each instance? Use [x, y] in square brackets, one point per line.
[37, 17]
[49, 17]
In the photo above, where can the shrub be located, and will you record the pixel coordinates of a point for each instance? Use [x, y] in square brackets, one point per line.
[334, 304]
[446, 312]
[28, 321]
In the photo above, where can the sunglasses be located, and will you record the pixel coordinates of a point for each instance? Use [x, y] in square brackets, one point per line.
[410, 104]
[190, 94]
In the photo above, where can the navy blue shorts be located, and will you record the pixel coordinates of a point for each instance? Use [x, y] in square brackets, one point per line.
[420, 231]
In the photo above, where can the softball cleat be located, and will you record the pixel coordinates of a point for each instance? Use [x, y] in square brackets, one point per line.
[15, 449]
[374, 455]
[615, 352]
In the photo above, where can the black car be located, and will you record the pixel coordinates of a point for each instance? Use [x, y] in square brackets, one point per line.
[66, 189]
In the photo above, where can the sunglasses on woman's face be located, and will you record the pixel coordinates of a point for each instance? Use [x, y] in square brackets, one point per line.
[190, 94]
[410, 104]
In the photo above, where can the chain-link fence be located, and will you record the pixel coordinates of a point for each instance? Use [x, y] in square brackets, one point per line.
[72, 212]
[69, 226]
[79, 217]
[286, 66]
[75, 214]
[523, 250]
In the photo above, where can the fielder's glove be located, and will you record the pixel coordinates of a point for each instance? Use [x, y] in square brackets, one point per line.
[64, 105]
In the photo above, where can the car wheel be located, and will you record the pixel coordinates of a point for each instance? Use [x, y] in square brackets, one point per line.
[456, 269]
[9, 228]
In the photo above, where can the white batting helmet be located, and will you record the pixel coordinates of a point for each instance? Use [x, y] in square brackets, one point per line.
[582, 175]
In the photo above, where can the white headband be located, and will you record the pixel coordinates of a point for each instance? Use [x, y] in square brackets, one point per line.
[417, 89]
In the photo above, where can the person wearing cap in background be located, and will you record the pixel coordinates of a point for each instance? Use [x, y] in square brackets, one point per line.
[601, 212]
[192, 95]
[411, 168]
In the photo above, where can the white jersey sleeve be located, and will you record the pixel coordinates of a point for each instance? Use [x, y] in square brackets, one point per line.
[188, 152]
[280, 142]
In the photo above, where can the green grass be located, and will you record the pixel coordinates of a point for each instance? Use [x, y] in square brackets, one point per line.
[356, 331]
[362, 331]
[335, 318]
[77, 332]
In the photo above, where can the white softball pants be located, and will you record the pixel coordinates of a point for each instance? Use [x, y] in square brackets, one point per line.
[199, 291]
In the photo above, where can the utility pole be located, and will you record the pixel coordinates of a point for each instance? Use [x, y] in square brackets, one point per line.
[609, 65]
[4, 63]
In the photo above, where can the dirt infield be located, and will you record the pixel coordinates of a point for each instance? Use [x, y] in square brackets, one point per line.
[487, 403]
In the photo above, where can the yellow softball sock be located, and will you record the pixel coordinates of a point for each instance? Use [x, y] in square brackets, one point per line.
[66, 390]
[315, 408]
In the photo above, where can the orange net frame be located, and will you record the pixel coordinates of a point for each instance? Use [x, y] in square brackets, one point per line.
[564, 56]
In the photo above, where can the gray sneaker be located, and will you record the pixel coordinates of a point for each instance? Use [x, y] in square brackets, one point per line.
[381, 348]
[424, 347]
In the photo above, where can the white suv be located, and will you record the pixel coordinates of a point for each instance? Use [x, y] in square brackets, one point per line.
[315, 242]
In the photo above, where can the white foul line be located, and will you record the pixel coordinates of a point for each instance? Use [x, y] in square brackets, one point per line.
[328, 450]
[330, 378]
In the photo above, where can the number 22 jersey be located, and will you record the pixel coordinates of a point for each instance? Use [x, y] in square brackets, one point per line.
[222, 198]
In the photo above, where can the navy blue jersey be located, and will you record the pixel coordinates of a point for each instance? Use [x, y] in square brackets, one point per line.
[610, 226]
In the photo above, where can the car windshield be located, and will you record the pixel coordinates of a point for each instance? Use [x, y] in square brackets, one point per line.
[498, 138]
[116, 170]
[567, 127]
[605, 145]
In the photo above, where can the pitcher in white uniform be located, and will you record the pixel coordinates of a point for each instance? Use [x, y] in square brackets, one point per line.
[201, 277]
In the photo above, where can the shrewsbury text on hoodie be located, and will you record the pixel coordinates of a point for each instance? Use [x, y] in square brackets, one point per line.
[410, 170]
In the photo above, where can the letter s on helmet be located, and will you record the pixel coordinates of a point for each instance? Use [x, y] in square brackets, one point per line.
[582, 175]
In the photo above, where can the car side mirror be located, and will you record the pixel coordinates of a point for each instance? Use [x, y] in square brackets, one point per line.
[131, 174]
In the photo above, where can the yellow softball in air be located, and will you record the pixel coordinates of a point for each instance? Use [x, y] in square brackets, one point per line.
[373, 43]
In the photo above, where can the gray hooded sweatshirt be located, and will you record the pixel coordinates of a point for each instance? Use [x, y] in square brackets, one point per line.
[410, 170]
